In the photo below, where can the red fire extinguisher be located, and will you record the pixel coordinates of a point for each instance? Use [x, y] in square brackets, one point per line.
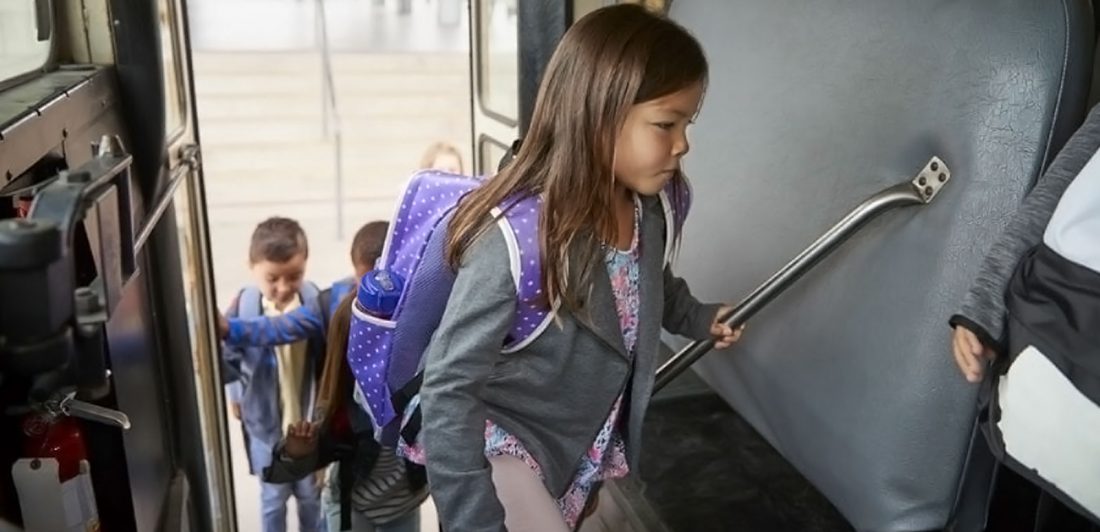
[23, 206]
[52, 478]
[59, 437]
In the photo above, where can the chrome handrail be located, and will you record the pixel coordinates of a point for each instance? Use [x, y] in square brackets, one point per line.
[921, 190]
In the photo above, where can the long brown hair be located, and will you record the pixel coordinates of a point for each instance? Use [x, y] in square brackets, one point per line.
[335, 381]
[610, 60]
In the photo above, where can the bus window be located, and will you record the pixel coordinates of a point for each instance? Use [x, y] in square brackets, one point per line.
[498, 44]
[491, 152]
[25, 37]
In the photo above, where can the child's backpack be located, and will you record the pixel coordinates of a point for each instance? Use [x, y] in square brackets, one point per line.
[400, 303]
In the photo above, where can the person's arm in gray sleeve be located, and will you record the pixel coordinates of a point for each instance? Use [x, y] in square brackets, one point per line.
[980, 322]
[683, 313]
[983, 307]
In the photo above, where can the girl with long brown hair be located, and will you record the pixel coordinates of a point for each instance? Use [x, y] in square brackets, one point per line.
[521, 440]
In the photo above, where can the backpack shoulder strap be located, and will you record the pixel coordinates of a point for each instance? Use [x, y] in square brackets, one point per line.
[249, 305]
[309, 292]
[518, 222]
[311, 296]
[324, 300]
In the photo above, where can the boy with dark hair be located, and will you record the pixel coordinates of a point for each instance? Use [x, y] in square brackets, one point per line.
[366, 248]
[272, 386]
[367, 245]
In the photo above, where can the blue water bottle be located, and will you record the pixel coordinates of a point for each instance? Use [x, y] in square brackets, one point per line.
[379, 292]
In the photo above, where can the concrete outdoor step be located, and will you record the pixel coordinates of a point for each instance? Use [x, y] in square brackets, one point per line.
[297, 63]
[316, 181]
[350, 106]
[308, 82]
[305, 130]
[356, 211]
[313, 184]
[301, 157]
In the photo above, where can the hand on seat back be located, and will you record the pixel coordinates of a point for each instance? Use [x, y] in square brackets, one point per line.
[970, 354]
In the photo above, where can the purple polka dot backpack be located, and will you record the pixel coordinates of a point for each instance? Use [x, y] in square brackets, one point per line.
[399, 304]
